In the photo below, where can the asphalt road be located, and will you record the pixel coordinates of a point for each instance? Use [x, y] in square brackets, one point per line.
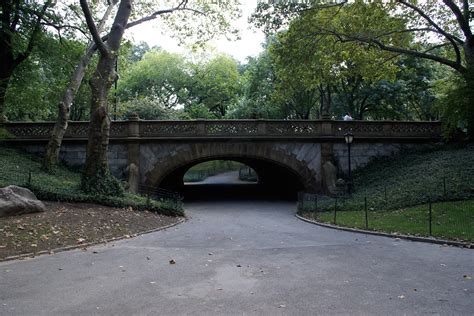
[244, 258]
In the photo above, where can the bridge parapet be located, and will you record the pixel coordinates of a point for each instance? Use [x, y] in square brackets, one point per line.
[323, 129]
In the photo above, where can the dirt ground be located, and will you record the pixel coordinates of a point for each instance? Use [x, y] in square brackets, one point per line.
[72, 224]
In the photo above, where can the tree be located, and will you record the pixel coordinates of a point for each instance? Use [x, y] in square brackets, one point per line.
[431, 24]
[96, 177]
[313, 68]
[213, 18]
[21, 24]
[216, 84]
[160, 76]
[64, 106]
[39, 81]
[258, 86]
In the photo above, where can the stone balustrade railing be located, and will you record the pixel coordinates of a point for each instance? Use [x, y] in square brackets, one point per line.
[324, 129]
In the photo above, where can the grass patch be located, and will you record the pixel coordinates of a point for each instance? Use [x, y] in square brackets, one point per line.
[64, 185]
[398, 191]
[450, 220]
[443, 174]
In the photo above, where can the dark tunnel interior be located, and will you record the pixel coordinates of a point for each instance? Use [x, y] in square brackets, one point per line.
[275, 182]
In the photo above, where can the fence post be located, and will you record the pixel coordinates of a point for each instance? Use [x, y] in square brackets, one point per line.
[335, 210]
[315, 203]
[29, 177]
[430, 216]
[385, 194]
[366, 217]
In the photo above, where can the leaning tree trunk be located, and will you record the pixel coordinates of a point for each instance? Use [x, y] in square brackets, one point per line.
[64, 108]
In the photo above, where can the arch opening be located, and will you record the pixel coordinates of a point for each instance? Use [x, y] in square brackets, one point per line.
[274, 180]
[220, 171]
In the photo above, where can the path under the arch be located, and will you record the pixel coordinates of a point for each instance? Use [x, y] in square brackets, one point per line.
[244, 257]
[229, 177]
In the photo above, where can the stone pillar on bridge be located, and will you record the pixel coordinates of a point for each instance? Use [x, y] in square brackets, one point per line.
[133, 148]
[326, 155]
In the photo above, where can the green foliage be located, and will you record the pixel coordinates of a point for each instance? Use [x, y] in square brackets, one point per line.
[258, 85]
[39, 82]
[453, 103]
[312, 65]
[163, 80]
[148, 108]
[160, 76]
[216, 84]
[102, 183]
[64, 185]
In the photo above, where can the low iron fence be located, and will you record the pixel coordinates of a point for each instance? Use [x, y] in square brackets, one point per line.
[449, 216]
[157, 193]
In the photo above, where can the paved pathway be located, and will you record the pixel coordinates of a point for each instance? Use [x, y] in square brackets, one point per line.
[244, 258]
[229, 177]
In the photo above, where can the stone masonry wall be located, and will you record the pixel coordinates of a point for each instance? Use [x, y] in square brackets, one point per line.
[74, 155]
[363, 153]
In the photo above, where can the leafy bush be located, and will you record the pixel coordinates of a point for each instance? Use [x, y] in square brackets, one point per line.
[102, 184]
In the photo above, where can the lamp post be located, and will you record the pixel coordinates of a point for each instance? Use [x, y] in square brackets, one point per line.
[349, 137]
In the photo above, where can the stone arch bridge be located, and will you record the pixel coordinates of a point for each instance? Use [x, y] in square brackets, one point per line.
[285, 153]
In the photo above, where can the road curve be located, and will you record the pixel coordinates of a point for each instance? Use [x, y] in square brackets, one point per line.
[245, 258]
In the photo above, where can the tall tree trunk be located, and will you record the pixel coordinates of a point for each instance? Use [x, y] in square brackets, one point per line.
[99, 128]
[96, 177]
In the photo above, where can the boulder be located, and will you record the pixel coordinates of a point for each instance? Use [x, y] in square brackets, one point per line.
[17, 200]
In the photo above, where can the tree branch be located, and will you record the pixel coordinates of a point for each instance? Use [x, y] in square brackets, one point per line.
[430, 21]
[64, 26]
[456, 65]
[158, 13]
[93, 29]
[462, 21]
[34, 34]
